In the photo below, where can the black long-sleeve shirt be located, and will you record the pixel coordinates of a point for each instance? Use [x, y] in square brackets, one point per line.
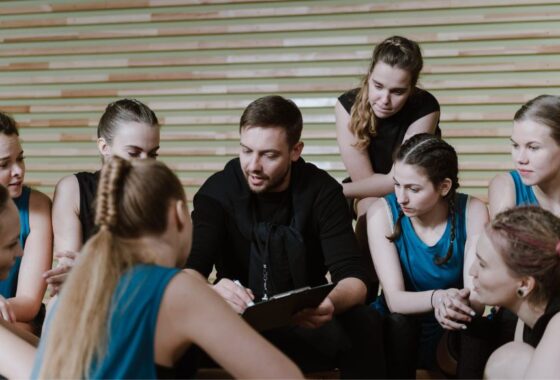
[222, 225]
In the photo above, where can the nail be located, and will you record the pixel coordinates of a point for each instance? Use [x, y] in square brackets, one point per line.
[464, 327]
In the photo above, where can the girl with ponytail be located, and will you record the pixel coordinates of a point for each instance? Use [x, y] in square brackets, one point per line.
[129, 129]
[518, 267]
[126, 310]
[421, 239]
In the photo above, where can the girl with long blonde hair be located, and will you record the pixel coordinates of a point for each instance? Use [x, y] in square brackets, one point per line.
[130, 311]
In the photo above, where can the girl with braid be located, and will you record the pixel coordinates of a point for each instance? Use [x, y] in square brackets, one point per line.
[130, 310]
[421, 239]
[374, 119]
[128, 128]
[518, 267]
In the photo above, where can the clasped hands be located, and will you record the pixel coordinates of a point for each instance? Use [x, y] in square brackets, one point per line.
[452, 308]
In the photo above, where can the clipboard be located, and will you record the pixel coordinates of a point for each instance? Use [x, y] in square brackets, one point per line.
[279, 309]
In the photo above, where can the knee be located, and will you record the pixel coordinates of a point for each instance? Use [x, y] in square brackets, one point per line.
[508, 361]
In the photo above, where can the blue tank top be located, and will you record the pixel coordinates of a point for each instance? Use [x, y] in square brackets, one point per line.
[132, 326]
[8, 287]
[420, 272]
[524, 194]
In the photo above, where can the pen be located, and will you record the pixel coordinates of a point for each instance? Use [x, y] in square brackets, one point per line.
[236, 282]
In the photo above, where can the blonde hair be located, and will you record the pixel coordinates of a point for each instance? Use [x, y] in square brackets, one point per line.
[132, 201]
[395, 51]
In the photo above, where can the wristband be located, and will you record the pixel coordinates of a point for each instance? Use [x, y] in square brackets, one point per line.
[432, 298]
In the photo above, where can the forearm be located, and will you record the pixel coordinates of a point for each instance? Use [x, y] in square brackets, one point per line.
[25, 307]
[347, 293]
[376, 185]
[404, 302]
[16, 354]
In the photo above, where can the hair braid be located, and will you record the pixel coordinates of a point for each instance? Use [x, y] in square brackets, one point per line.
[397, 229]
[109, 189]
[451, 202]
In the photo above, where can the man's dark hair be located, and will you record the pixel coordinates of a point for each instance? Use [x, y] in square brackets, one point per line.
[274, 111]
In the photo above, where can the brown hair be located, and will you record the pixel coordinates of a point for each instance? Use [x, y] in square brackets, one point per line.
[128, 207]
[274, 111]
[439, 161]
[395, 51]
[123, 111]
[4, 198]
[545, 110]
[8, 125]
[528, 238]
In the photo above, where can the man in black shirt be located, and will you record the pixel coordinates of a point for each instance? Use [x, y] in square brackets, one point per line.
[269, 223]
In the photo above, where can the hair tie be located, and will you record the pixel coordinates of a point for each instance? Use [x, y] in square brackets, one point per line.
[558, 248]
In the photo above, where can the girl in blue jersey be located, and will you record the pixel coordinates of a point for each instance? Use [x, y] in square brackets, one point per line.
[126, 310]
[22, 292]
[536, 155]
[421, 239]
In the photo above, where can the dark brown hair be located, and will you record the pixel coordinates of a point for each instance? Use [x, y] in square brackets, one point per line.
[123, 111]
[545, 110]
[274, 111]
[8, 125]
[438, 160]
[528, 238]
[395, 51]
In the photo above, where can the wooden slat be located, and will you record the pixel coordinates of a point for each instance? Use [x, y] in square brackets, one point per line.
[115, 5]
[357, 69]
[291, 26]
[235, 14]
[199, 64]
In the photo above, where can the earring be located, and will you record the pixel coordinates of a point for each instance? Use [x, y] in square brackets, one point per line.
[520, 293]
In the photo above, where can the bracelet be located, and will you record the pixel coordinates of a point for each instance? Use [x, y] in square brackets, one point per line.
[432, 298]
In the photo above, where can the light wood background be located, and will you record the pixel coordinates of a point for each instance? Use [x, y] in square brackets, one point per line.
[198, 63]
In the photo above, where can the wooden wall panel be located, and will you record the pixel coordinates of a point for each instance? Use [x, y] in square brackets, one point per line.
[198, 63]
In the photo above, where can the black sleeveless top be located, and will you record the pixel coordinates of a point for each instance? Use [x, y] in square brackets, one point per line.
[391, 130]
[533, 336]
[88, 190]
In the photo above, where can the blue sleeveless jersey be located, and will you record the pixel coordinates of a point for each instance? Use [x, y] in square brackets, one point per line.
[131, 328]
[524, 194]
[8, 287]
[421, 273]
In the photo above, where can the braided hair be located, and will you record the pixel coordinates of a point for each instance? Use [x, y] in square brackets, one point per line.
[439, 161]
[528, 240]
[133, 200]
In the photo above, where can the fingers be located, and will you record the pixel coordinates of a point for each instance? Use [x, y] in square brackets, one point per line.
[56, 272]
[460, 306]
[236, 296]
[65, 254]
[313, 318]
[6, 311]
[451, 310]
[57, 279]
